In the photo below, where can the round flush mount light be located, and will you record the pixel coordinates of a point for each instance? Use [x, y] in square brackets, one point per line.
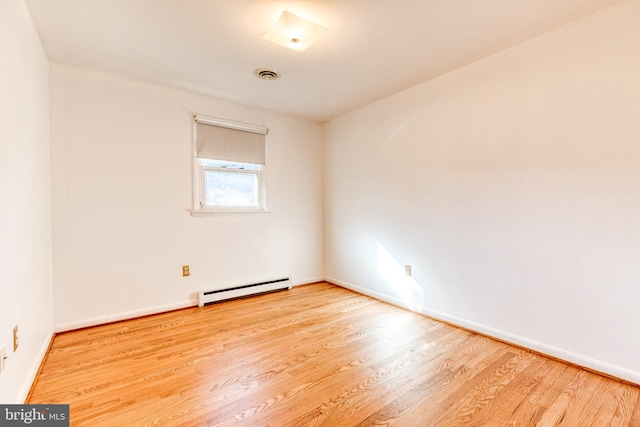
[267, 73]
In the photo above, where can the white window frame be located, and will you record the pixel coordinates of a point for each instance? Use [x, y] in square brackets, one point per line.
[200, 196]
[199, 208]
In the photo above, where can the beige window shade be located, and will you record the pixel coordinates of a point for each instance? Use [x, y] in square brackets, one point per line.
[228, 141]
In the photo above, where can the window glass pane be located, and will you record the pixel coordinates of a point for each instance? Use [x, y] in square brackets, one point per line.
[231, 165]
[223, 188]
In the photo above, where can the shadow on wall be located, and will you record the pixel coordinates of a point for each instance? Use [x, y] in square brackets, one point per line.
[403, 285]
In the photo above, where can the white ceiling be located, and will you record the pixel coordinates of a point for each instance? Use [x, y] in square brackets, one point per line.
[373, 48]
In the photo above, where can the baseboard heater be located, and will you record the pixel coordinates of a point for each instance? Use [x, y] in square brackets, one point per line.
[243, 291]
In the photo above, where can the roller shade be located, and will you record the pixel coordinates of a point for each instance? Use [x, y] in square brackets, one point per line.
[223, 140]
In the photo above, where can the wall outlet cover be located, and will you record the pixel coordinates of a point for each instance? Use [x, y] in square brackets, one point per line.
[407, 270]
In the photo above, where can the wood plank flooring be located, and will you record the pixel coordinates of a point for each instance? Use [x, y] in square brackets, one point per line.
[316, 355]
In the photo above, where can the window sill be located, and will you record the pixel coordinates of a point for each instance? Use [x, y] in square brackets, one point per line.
[203, 212]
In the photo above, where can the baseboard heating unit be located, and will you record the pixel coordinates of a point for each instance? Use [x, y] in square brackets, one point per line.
[243, 290]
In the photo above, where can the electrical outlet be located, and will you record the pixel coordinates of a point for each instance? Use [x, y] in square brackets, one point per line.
[185, 271]
[15, 338]
[407, 270]
[3, 358]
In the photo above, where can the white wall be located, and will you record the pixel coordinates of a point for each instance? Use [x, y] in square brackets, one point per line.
[25, 197]
[122, 173]
[512, 186]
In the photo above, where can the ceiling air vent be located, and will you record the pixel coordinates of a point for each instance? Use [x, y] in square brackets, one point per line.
[267, 73]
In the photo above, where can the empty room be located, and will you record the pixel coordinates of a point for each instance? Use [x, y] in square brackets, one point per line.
[322, 212]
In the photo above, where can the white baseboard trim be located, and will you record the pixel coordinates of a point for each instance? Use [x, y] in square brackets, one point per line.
[539, 347]
[101, 320]
[309, 281]
[33, 372]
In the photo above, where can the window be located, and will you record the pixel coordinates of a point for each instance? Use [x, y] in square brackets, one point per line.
[230, 184]
[229, 166]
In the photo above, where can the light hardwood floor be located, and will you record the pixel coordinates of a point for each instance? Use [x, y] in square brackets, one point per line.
[316, 355]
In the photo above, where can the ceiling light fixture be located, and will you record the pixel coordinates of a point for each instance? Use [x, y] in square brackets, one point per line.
[293, 32]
